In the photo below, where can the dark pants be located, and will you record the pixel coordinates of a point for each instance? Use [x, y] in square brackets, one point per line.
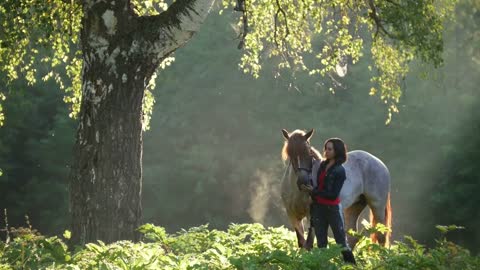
[323, 216]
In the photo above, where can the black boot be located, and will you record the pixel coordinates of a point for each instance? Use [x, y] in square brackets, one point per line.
[348, 256]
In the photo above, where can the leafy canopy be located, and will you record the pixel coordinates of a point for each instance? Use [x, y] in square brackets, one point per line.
[315, 36]
[41, 39]
[319, 36]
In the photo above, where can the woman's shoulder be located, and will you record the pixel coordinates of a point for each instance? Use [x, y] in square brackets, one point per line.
[325, 162]
[322, 162]
[339, 168]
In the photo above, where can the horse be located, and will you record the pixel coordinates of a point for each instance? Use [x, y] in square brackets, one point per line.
[367, 183]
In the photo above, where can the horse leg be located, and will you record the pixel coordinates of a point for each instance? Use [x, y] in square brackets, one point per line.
[381, 213]
[310, 235]
[298, 227]
[351, 217]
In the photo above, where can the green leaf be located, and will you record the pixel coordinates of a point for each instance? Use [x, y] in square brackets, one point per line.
[67, 234]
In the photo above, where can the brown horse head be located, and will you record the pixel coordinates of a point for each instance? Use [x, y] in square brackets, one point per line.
[298, 150]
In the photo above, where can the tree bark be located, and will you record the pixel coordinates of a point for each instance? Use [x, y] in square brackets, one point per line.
[121, 51]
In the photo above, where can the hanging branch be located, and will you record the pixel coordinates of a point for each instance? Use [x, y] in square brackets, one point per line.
[241, 7]
[373, 14]
[280, 9]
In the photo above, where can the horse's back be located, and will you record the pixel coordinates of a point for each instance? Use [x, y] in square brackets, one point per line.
[365, 162]
[366, 174]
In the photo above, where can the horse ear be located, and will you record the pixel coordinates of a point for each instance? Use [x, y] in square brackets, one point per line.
[308, 135]
[285, 134]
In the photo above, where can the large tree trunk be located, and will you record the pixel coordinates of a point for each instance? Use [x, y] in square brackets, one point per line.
[107, 173]
[120, 51]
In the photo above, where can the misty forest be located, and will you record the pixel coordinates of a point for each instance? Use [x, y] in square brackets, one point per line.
[141, 134]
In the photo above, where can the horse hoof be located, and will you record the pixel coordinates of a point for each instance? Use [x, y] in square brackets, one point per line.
[307, 247]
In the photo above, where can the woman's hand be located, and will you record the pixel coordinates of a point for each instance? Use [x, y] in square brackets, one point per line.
[306, 188]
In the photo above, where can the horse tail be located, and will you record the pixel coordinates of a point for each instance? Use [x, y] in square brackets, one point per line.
[388, 223]
[373, 222]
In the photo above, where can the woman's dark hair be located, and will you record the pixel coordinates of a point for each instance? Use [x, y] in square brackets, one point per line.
[340, 149]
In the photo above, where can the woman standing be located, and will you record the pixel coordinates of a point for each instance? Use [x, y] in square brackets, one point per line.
[327, 181]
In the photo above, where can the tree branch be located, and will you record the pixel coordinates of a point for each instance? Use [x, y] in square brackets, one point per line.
[374, 15]
[159, 35]
[241, 7]
[280, 10]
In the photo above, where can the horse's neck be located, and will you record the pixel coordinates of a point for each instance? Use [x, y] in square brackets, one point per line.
[291, 176]
[316, 154]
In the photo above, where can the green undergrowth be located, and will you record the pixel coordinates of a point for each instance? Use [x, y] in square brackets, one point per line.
[241, 246]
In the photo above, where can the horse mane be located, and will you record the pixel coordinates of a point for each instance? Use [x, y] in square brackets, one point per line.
[316, 153]
[295, 146]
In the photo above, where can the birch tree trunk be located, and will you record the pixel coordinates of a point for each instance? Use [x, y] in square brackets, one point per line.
[121, 51]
